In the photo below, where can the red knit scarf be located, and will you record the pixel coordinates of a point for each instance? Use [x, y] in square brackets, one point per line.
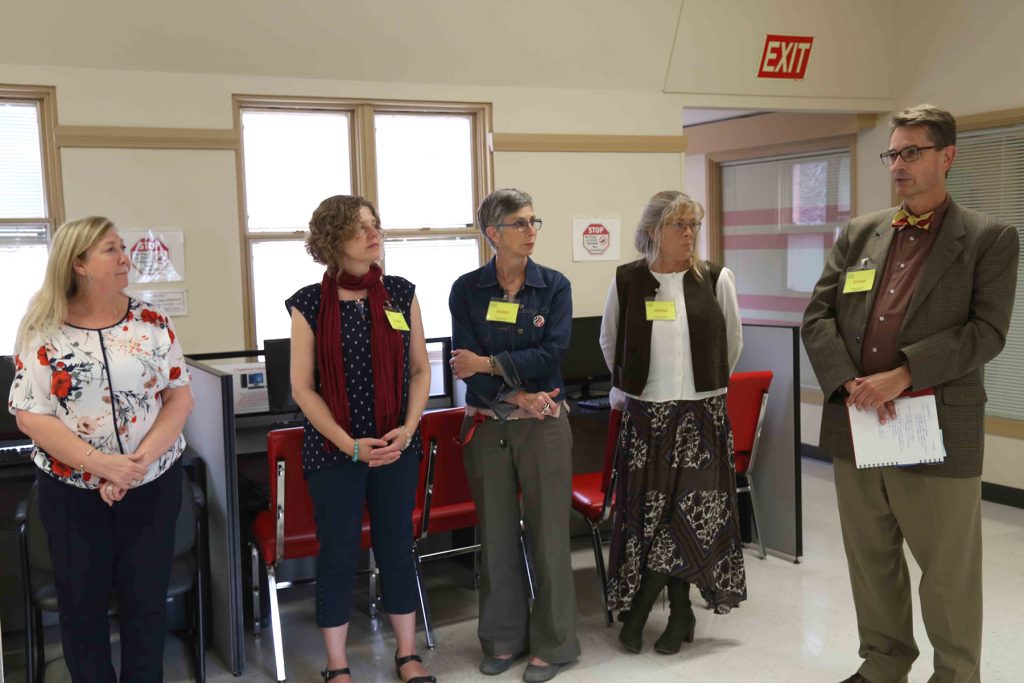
[386, 350]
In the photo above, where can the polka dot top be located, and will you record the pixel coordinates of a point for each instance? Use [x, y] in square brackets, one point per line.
[356, 352]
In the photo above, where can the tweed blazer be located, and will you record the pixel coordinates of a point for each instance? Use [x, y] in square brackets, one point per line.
[956, 322]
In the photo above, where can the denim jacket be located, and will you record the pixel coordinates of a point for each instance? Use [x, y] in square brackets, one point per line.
[529, 352]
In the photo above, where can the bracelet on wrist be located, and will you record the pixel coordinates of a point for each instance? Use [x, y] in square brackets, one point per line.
[490, 363]
[355, 451]
[81, 465]
[408, 436]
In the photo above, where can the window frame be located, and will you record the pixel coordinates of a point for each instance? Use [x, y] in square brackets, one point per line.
[715, 209]
[362, 143]
[847, 143]
[45, 100]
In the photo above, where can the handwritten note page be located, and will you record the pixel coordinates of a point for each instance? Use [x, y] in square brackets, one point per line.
[912, 438]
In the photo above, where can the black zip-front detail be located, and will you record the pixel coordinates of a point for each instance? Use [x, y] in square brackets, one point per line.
[110, 388]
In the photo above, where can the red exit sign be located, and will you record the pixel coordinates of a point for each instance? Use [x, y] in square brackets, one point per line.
[785, 56]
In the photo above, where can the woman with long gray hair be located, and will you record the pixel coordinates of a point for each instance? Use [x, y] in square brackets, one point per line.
[671, 336]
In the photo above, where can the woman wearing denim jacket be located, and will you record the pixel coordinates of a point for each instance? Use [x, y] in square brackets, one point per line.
[510, 328]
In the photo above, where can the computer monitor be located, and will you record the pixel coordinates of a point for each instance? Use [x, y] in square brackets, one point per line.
[583, 362]
[277, 357]
[8, 425]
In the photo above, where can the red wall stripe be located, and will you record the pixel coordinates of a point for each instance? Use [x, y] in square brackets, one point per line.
[805, 240]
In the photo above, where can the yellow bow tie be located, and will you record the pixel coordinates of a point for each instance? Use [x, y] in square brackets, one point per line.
[902, 219]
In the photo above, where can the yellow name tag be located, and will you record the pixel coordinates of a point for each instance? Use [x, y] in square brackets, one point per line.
[397, 320]
[502, 311]
[859, 281]
[661, 310]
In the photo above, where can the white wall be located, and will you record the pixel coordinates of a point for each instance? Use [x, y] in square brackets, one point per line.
[196, 190]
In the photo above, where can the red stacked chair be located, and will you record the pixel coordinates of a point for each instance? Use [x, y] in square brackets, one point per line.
[592, 495]
[444, 502]
[746, 403]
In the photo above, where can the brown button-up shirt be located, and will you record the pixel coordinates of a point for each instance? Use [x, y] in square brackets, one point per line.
[904, 264]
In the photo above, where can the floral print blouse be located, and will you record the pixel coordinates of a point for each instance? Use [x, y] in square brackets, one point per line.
[104, 385]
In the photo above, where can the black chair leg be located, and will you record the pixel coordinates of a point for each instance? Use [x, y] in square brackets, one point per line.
[30, 643]
[40, 646]
[595, 535]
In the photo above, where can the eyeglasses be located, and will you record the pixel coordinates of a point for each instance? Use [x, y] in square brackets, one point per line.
[679, 226]
[912, 153]
[523, 224]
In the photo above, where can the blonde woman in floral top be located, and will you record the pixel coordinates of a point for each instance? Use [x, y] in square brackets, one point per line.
[101, 388]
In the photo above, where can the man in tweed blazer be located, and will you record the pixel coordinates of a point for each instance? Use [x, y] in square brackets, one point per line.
[935, 310]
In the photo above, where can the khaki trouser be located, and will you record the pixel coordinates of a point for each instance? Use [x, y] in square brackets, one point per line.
[940, 519]
[535, 455]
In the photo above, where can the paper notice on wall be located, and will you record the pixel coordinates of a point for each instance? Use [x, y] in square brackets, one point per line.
[173, 302]
[596, 239]
[156, 255]
[250, 386]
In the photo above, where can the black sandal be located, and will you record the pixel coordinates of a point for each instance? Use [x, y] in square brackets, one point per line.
[328, 674]
[401, 661]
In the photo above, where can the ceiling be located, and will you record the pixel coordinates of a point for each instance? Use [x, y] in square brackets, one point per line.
[593, 44]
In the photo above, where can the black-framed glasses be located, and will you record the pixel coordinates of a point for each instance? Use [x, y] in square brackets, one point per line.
[679, 226]
[523, 224]
[912, 153]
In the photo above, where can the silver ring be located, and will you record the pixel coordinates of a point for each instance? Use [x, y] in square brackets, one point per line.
[110, 488]
[547, 407]
[136, 482]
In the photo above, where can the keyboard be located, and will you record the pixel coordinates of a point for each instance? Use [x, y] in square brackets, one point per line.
[599, 403]
[12, 456]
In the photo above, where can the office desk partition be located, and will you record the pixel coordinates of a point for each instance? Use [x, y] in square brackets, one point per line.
[210, 434]
[777, 348]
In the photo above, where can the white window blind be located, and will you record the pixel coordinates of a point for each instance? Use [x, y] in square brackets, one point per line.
[988, 176]
[21, 163]
[293, 160]
[23, 254]
[425, 170]
[780, 218]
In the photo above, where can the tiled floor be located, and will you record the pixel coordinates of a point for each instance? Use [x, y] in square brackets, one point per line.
[797, 624]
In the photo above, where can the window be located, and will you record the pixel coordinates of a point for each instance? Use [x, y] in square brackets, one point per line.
[988, 176]
[29, 210]
[425, 166]
[780, 217]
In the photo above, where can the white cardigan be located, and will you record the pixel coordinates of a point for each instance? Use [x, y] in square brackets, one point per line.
[671, 376]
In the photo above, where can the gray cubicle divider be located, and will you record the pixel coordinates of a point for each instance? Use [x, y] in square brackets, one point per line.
[210, 434]
[777, 473]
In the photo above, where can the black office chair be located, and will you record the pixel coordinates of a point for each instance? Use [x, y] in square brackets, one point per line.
[188, 576]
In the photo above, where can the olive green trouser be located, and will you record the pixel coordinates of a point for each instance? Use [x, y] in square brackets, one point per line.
[536, 456]
[940, 520]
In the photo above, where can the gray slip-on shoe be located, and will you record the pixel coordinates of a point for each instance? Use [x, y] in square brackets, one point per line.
[535, 673]
[492, 666]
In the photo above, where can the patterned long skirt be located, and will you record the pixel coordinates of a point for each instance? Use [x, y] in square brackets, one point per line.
[675, 508]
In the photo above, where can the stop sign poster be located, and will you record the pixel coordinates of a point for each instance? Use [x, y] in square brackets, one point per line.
[155, 255]
[596, 239]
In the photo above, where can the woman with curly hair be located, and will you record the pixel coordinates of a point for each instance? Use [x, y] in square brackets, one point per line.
[671, 336]
[101, 388]
[360, 374]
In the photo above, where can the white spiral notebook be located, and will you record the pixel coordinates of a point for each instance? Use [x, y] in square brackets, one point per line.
[913, 438]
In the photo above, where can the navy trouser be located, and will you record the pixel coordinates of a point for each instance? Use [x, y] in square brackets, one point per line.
[99, 551]
[340, 495]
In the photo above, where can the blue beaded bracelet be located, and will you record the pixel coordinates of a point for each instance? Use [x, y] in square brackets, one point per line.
[355, 452]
